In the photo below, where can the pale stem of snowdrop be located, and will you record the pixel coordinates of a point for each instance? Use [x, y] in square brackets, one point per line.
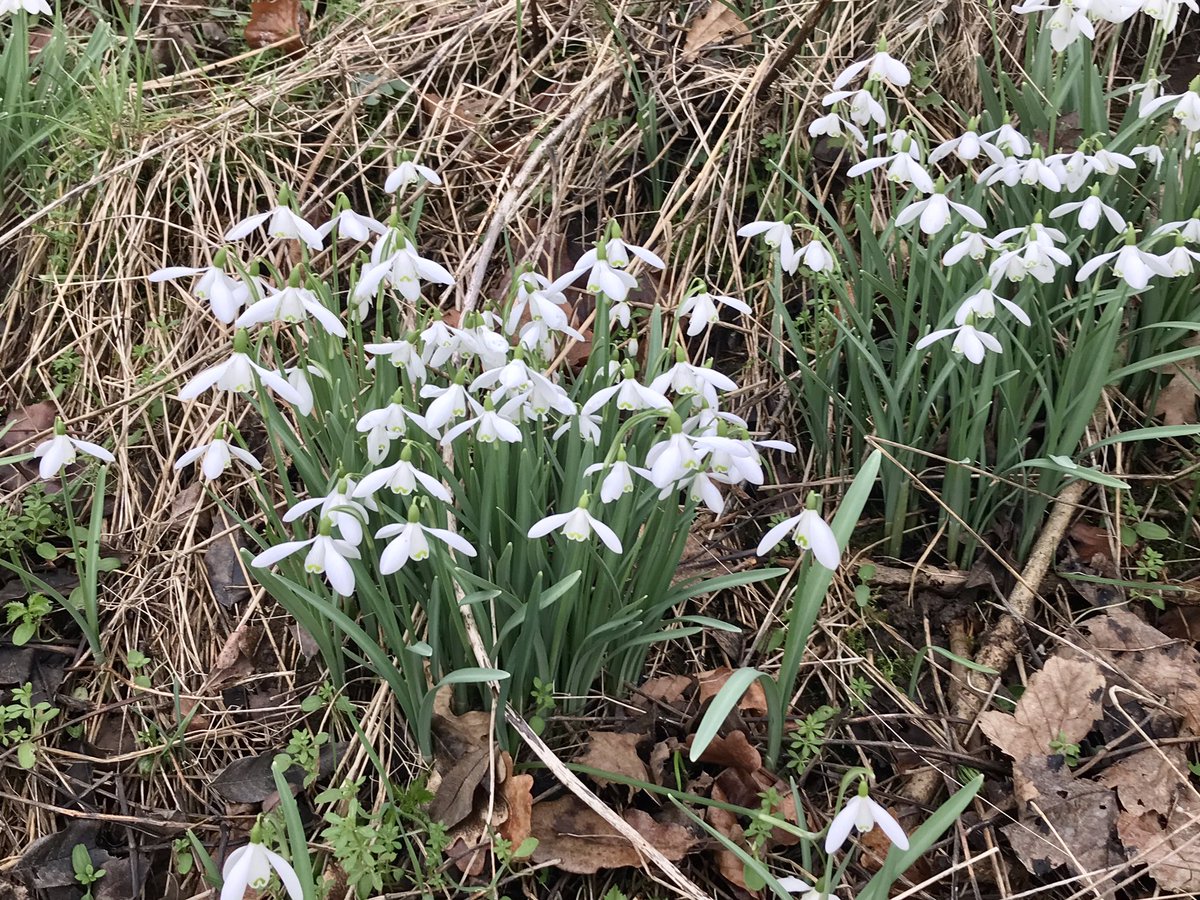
[61, 451]
[577, 525]
[809, 531]
[861, 814]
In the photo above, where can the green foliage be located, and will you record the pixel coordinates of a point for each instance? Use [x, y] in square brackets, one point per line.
[22, 722]
[28, 615]
[806, 740]
[85, 873]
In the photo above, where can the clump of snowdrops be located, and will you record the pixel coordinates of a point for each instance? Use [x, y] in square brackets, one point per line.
[1025, 267]
[432, 464]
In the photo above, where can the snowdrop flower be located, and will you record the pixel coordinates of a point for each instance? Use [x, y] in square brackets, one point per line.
[439, 342]
[1106, 162]
[249, 867]
[794, 885]
[489, 427]
[1131, 264]
[934, 212]
[701, 309]
[1031, 171]
[815, 256]
[903, 168]
[1179, 260]
[880, 68]
[966, 147]
[982, 305]
[543, 298]
[674, 459]
[218, 454]
[408, 173]
[352, 227]
[450, 403]
[1187, 106]
[619, 480]
[1166, 12]
[61, 451]
[292, 304]
[1115, 11]
[1039, 260]
[382, 426]
[863, 107]
[297, 377]
[226, 295]
[1067, 23]
[1008, 140]
[326, 556]
[401, 478]
[404, 269]
[1090, 211]
[970, 244]
[237, 374]
[862, 814]
[968, 341]
[33, 7]
[1034, 233]
[1072, 169]
[1189, 228]
[702, 488]
[1153, 154]
[588, 424]
[282, 224]
[833, 125]
[410, 541]
[776, 235]
[615, 283]
[688, 380]
[810, 532]
[340, 508]
[577, 525]
[629, 394]
[401, 354]
[617, 251]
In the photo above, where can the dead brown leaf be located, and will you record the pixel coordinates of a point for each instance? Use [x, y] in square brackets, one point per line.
[1177, 399]
[518, 792]
[455, 797]
[577, 840]
[1149, 780]
[223, 566]
[731, 750]
[1064, 698]
[1170, 848]
[754, 701]
[616, 753]
[1151, 660]
[272, 21]
[1090, 542]
[666, 689]
[236, 659]
[1066, 821]
[458, 735]
[718, 22]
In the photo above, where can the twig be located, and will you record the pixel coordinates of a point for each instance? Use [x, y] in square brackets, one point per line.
[511, 200]
[807, 27]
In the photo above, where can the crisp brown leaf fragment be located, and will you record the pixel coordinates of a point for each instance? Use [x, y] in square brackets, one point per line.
[272, 21]
[577, 840]
[1168, 845]
[610, 751]
[754, 701]
[1177, 400]
[718, 23]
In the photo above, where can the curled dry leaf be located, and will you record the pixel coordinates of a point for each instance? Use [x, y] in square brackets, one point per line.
[1177, 400]
[610, 751]
[272, 21]
[718, 23]
[733, 750]
[1168, 844]
[518, 793]
[754, 701]
[577, 840]
[666, 689]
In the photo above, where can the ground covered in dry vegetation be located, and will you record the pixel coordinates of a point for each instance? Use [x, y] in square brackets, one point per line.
[1063, 667]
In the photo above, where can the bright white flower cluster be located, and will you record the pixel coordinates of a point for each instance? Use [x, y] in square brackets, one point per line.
[1070, 20]
[484, 378]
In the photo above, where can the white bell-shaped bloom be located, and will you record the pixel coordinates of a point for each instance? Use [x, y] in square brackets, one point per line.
[215, 458]
[1186, 108]
[833, 125]
[1189, 228]
[1008, 140]
[1108, 162]
[404, 269]
[384, 425]
[61, 450]
[1090, 211]
[776, 235]
[577, 525]
[629, 395]
[489, 426]
[225, 294]
[672, 460]
[352, 227]
[810, 532]
[970, 244]
[815, 256]
[968, 341]
[249, 868]
[1072, 169]
[619, 478]
[589, 425]
[237, 374]
[617, 252]
[410, 541]
[282, 223]
[863, 107]
[882, 67]
[794, 885]
[982, 305]
[409, 173]
[291, 305]
[967, 147]
[1179, 261]
[687, 380]
[701, 310]
[902, 169]
[401, 354]
[1167, 11]
[861, 813]
[326, 556]
[402, 478]
[340, 508]
[935, 213]
[1131, 264]
[449, 403]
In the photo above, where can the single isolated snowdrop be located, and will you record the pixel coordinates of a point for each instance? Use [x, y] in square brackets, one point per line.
[216, 457]
[810, 532]
[249, 868]
[410, 541]
[326, 556]
[935, 213]
[282, 223]
[776, 235]
[982, 305]
[969, 341]
[62, 450]
[863, 108]
[1090, 211]
[970, 244]
[629, 395]
[577, 525]
[882, 67]
[861, 813]
[339, 507]
[237, 374]
[701, 308]
[834, 126]
[619, 478]
[410, 173]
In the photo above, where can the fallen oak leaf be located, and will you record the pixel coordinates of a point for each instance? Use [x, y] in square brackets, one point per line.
[579, 841]
[718, 22]
[1168, 845]
[611, 751]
